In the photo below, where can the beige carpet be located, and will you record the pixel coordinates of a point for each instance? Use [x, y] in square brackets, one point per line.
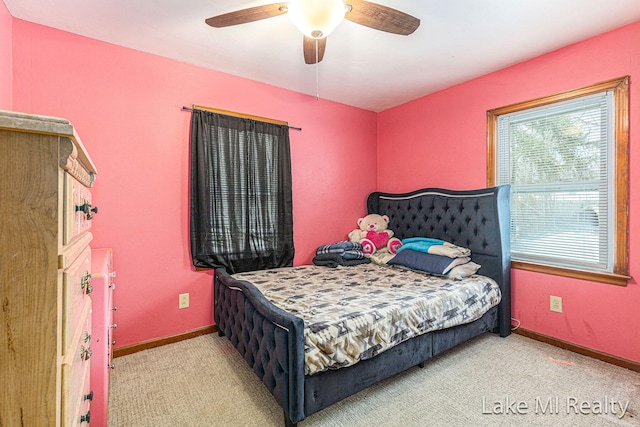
[204, 382]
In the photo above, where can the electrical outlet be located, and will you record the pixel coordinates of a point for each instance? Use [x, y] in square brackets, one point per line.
[555, 304]
[183, 301]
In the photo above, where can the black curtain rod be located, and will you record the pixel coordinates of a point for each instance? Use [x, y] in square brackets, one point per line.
[191, 109]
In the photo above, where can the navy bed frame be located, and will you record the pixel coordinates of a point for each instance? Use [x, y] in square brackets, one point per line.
[271, 340]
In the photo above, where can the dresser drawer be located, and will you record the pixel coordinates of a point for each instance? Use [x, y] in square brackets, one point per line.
[76, 371]
[78, 210]
[84, 416]
[76, 286]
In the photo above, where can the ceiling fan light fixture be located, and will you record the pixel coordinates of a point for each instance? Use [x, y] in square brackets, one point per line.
[316, 18]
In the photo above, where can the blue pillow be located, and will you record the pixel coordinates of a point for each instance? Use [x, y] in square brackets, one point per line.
[429, 263]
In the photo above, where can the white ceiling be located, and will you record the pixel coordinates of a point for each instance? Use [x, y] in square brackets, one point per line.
[457, 40]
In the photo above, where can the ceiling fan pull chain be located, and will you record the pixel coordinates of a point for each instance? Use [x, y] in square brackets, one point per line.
[317, 91]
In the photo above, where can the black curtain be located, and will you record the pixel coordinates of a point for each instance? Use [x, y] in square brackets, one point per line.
[241, 207]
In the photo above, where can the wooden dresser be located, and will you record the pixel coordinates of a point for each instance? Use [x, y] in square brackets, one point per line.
[45, 272]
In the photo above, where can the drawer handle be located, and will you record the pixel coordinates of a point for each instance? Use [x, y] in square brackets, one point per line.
[115, 325]
[85, 418]
[87, 209]
[112, 366]
[85, 283]
[85, 353]
[86, 337]
[88, 396]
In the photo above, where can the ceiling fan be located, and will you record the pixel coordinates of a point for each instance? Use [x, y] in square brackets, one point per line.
[317, 18]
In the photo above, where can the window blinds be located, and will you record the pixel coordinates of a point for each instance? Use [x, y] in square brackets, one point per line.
[558, 160]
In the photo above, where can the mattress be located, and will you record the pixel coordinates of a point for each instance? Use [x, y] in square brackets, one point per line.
[354, 313]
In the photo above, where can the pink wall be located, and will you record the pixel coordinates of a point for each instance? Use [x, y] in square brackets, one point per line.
[5, 57]
[446, 134]
[126, 106]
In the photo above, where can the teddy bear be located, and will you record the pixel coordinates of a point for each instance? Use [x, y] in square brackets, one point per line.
[374, 235]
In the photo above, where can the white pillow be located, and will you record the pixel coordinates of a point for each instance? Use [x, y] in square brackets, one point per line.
[463, 270]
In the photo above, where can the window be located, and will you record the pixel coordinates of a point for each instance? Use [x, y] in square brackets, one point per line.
[241, 203]
[566, 159]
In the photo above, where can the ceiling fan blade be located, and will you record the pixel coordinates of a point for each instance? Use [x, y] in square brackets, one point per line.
[309, 48]
[381, 17]
[248, 15]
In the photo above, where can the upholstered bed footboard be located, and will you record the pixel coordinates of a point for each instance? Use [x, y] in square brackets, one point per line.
[270, 339]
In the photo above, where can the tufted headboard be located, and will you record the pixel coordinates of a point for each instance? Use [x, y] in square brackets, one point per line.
[475, 219]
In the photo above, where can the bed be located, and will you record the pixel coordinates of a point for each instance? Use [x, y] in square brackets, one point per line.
[272, 340]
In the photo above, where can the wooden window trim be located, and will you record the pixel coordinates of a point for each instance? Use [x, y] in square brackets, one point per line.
[620, 86]
[241, 115]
